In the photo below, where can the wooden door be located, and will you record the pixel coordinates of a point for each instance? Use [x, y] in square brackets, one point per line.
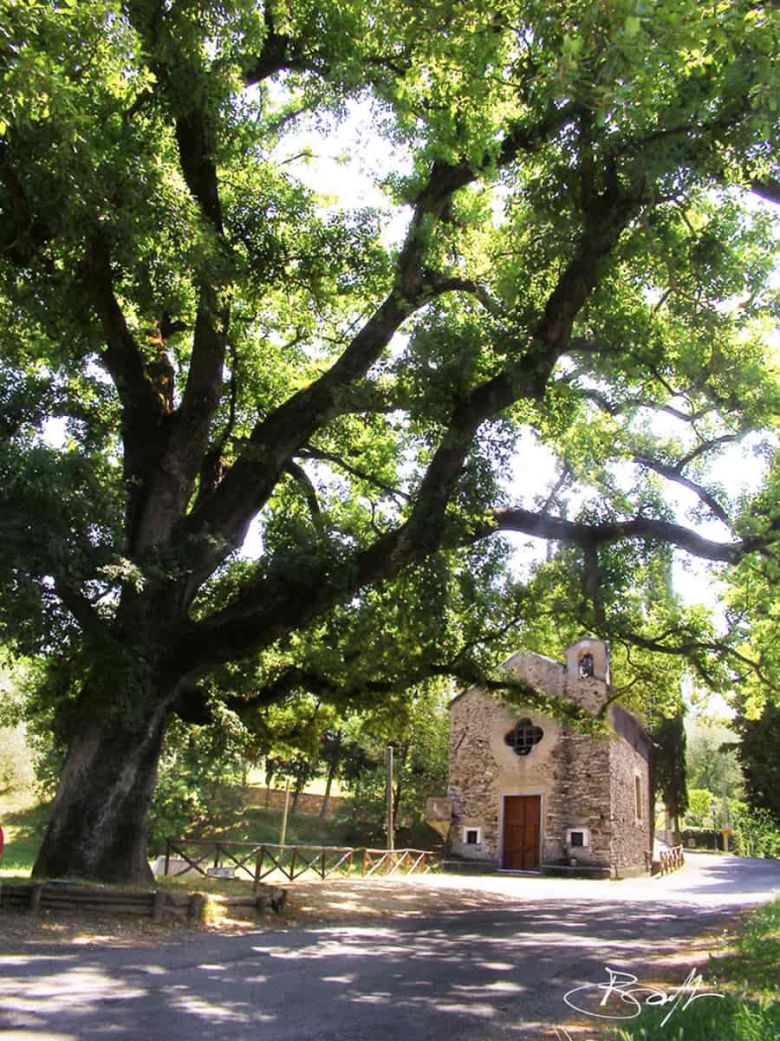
[522, 820]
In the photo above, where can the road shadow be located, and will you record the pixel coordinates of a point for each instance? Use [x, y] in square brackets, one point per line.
[466, 974]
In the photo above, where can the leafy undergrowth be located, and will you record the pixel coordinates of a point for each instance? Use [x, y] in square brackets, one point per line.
[747, 975]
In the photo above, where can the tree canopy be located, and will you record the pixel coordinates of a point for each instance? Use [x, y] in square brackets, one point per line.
[202, 353]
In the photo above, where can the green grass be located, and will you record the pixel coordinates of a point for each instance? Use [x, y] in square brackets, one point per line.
[730, 1018]
[23, 818]
[746, 972]
[755, 960]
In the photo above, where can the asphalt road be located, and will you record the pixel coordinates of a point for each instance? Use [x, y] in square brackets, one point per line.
[497, 971]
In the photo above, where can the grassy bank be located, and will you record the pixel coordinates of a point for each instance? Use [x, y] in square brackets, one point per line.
[745, 971]
[24, 818]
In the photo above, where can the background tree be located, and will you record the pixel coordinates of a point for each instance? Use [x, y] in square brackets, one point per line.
[702, 808]
[758, 752]
[332, 756]
[201, 353]
[712, 762]
[419, 733]
[668, 768]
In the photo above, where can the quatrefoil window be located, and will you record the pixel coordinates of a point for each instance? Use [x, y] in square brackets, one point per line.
[523, 736]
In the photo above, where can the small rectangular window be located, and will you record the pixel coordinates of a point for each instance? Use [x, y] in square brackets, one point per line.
[471, 836]
[578, 838]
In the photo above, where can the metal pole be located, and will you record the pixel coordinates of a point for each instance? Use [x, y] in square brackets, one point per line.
[389, 796]
[283, 833]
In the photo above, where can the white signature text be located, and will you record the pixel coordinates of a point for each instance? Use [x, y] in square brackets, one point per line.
[622, 996]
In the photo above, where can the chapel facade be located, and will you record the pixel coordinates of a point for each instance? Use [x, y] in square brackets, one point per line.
[529, 792]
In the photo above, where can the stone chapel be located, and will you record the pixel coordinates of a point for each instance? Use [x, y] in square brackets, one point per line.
[528, 792]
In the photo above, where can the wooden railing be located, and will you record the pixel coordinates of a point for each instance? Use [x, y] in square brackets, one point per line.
[670, 860]
[256, 861]
[390, 862]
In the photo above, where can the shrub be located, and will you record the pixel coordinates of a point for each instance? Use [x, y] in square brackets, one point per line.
[702, 838]
[755, 833]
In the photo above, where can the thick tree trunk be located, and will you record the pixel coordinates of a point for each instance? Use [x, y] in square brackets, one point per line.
[98, 828]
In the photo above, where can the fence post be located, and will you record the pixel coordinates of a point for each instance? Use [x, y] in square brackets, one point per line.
[197, 906]
[36, 892]
[158, 904]
[167, 855]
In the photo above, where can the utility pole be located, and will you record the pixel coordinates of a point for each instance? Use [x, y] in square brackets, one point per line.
[283, 833]
[389, 796]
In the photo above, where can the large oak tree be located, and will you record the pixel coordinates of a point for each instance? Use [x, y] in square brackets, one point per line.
[197, 345]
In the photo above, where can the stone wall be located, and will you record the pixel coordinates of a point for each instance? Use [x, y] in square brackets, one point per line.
[582, 797]
[309, 803]
[630, 806]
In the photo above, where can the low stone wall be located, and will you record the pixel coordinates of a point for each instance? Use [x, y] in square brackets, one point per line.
[309, 804]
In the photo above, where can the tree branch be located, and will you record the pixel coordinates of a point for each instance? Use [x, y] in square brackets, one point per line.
[672, 472]
[768, 189]
[589, 535]
[246, 487]
[280, 53]
[144, 401]
[468, 672]
[438, 284]
[422, 533]
[79, 606]
[361, 475]
[614, 408]
[190, 428]
[299, 475]
[690, 647]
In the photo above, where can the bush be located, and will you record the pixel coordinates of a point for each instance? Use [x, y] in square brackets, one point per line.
[699, 812]
[702, 838]
[755, 833]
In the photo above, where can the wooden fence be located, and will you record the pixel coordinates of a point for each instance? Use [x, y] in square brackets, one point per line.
[68, 896]
[670, 860]
[256, 861]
